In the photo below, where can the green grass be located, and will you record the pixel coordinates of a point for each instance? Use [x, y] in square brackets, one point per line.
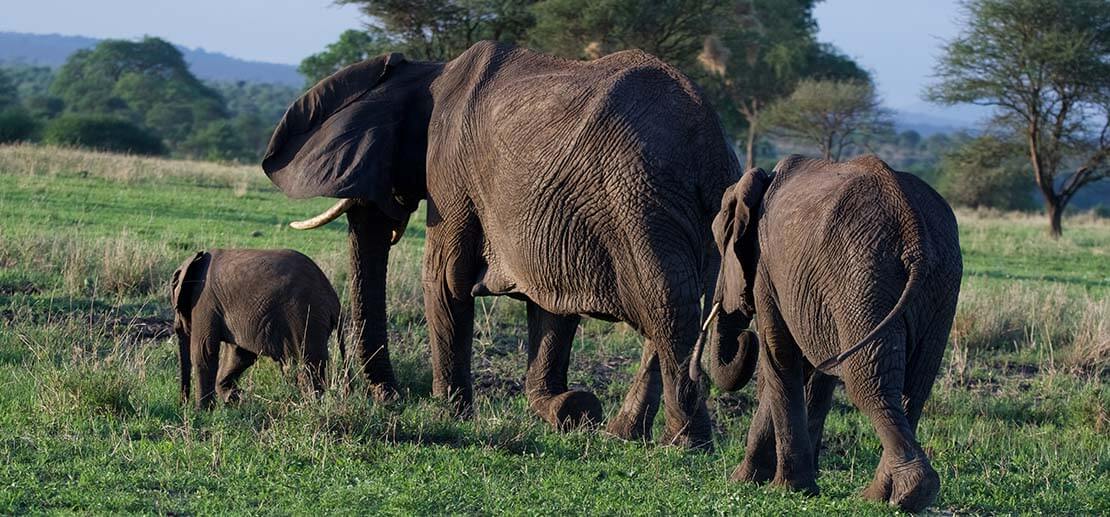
[90, 422]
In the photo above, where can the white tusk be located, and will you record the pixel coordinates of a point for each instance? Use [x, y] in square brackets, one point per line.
[326, 217]
[712, 314]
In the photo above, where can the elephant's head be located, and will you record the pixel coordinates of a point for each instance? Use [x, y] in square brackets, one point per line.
[185, 286]
[733, 349]
[359, 135]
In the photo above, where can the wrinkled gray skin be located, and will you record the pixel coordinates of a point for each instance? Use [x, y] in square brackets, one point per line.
[825, 257]
[275, 303]
[583, 188]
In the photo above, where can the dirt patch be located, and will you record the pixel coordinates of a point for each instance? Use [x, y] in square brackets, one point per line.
[605, 371]
[140, 330]
[19, 288]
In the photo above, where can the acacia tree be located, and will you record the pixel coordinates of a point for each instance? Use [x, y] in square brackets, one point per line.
[671, 30]
[441, 29]
[353, 46]
[833, 115]
[762, 48]
[1045, 66]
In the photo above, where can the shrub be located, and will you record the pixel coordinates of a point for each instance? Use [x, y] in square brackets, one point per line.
[16, 125]
[101, 132]
[988, 172]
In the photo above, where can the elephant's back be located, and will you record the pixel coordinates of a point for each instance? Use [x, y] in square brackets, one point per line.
[839, 241]
[270, 297]
[595, 182]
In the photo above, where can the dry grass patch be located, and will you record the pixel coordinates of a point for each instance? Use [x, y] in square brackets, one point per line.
[120, 265]
[39, 160]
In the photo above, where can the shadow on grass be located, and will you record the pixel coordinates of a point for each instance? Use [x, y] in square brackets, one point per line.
[1087, 284]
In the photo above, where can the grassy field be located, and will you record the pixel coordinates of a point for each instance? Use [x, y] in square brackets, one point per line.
[89, 418]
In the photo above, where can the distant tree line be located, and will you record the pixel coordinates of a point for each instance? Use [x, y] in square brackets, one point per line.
[1045, 64]
[138, 97]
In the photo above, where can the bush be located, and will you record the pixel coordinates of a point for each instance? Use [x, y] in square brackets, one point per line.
[988, 172]
[219, 141]
[16, 125]
[102, 132]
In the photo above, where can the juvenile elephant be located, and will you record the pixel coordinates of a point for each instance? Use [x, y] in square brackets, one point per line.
[583, 188]
[850, 270]
[271, 302]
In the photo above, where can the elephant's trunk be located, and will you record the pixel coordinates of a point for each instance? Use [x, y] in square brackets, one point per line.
[733, 351]
[369, 234]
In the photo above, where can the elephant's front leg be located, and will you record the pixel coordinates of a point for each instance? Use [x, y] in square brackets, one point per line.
[204, 344]
[784, 395]
[369, 236]
[759, 454]
[549, 340]
[450, 257]
[637, 413]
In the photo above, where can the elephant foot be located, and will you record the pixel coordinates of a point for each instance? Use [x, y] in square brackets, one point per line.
[750, 472]
[570, 410]
[629, 428]
[232, 396]
[805, 484]
[384, 393]
[911, 486]
[702, 442]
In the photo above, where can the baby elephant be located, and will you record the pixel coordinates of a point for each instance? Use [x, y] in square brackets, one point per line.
[851, 270]
[271, 302]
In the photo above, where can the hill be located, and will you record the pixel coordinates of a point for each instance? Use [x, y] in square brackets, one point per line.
[52, 50]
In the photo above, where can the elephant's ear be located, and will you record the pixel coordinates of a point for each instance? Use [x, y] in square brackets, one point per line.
[339, 138]
[187, 281]
[734, 229]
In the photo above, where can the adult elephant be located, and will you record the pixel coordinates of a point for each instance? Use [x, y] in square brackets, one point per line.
[583, 188]
[850, 270]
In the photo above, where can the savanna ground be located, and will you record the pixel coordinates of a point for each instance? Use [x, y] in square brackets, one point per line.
[1019, 420]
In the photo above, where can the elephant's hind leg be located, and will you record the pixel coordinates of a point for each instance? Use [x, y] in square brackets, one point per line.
[316, 359]
[904, 477]
[637, 413]
[819, 399]
[234, 361]
[687, 419]
[549, 341]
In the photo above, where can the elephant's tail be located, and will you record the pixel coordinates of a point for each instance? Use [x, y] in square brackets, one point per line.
[912, 282]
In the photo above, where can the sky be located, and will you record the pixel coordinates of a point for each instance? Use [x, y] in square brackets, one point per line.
[897, 40]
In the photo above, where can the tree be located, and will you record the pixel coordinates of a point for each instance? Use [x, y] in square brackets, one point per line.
[219, 141]
[762, 49]
[9, 96]
[16, 125]
[353, 46]
[442, 29]
[671, 30]
[987, 171]
[102, 132]
[145, 82]
[832, 115]
[1045, 66]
